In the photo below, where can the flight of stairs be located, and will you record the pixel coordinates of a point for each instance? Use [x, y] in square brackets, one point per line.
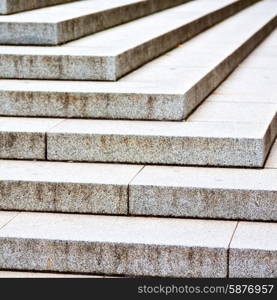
[137, 138]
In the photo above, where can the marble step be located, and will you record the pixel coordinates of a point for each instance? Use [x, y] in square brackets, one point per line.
[170, 87]
[63, 23]
[110, 54]
[14, 6]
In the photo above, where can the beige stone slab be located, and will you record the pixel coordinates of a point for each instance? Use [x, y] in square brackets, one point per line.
[65, 187]
[253, 250]
[218, 193]
[116, 245]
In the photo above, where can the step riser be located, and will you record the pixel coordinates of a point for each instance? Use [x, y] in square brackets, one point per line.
[104, 258]
[107, 68]
[203, 203]
[13, 6]
[64, 197]
[58, 33]
[243, 152]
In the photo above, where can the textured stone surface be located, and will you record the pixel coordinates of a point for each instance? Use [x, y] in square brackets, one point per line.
[253, 250]
[204, 193]
[13, 6]
[113, 53]
[65, 187]
[168, 88]
[182, 143]
[24, 138]
[62, 23]
[272, 158]
[12, 274]
[116, 245]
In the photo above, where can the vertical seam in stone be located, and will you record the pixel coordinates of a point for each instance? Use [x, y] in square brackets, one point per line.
[128, 189]
[46, 137]
[228, 250]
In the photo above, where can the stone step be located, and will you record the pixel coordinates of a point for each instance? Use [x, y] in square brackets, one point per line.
[137, 246]
[211, 143]
[63, 23]
[110, 54]
[217, 193]
[65, 187]
[13, 6]
[253, 250]
[107, 245]
[168, 88]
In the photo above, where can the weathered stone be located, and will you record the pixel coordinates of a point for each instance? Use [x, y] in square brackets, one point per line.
[116, 245]
[218, 193]
[23, 138]
[65, 187]
[182, 143]
[13, 6]
[253, 250]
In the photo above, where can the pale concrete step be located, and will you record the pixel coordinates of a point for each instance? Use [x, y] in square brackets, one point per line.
[115, 245]
[253, 250]
[63, 23]
[13, 6]
[218, 193]
[182, 143]
[65, 187]
[168, 88]
[110, 54]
